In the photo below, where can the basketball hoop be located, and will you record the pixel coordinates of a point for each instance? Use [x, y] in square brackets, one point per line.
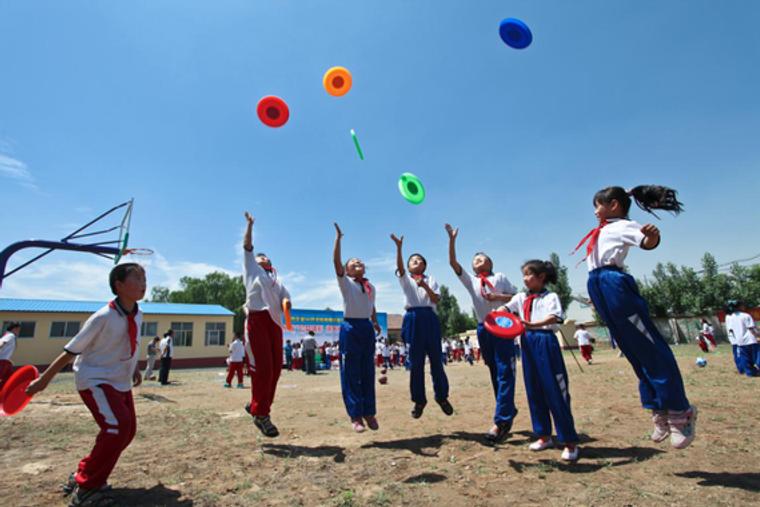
[110, 249]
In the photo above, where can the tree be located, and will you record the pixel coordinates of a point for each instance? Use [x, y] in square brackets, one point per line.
[562, 287]
[160, 294]
[452, 319]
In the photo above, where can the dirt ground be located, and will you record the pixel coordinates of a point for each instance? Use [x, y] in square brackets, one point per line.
[196, 446]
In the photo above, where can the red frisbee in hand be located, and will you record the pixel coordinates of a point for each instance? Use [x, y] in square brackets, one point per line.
[13, 395]
[273, 111]
[504, 325]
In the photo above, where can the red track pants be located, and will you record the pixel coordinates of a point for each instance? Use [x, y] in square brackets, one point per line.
[114, 411]
[264, 342]
[233, 369]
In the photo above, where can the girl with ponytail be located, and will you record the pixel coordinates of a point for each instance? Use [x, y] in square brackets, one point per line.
[616, 297]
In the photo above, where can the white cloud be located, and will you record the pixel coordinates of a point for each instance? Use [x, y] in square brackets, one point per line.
[16, 170]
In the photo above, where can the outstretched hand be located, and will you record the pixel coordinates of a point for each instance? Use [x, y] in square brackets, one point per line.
[650, 231]
[249, 218]
[338, 232]
[397, 240]
[452, 231]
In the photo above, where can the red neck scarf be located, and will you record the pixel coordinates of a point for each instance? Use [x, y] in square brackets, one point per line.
[528, 306]
[131, 324]
[592, 237]
[366, 287]
[485, 282]
[417, 277]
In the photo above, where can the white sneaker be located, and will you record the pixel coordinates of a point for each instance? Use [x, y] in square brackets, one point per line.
[661, 426]
[541, 444]
[683, 427]
[570, 455]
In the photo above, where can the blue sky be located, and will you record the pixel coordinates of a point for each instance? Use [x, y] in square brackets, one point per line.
[103, 101]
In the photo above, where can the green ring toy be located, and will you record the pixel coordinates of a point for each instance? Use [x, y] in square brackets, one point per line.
[411, 188]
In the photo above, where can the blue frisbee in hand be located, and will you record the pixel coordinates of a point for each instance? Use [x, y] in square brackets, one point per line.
[515, 33]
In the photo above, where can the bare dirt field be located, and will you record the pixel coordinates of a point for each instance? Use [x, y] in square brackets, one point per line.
[196, 446]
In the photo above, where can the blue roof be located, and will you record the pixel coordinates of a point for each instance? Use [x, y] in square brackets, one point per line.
[56, 306]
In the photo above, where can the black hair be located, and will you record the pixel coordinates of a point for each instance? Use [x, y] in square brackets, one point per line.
[581, 326]
[733, 305]
[417, 255]
[311, 333]
[487, 257]
[538, 267]
[120, 272]
[169, 333]
[156, 338]
[261, 254]
[12, 325]
[647, 197]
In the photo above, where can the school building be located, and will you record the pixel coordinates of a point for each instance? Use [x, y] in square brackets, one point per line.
[201, 332]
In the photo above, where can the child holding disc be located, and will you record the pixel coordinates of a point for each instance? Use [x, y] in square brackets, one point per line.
[421, 330]
[544, 372]
[7, 348]
[616, 297]
[265, 295]
[105, 354]
[488, 291]
[357, 339]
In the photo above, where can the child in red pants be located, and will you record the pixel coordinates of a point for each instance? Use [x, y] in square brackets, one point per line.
[105, 370]
[235, 362]
[584, 342]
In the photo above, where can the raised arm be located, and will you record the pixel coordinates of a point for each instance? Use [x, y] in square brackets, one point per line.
[453, 250]
[336, 252]
[651, 237]
[248, 238]
[399, 255]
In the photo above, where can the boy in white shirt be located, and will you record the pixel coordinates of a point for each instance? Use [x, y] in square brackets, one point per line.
[236, 357]
[7, 348]
[265, 297]
[741, 330]
[584, 342]
[105, 354]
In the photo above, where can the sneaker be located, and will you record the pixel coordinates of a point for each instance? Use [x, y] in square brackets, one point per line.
[499, 432]
[683, 427]
[227, 385]
[100, 497]
[570, 453]
[661, 426]
[371, 421]
[264, 424]
[542, 444]
[445, 406]
[417, 410]
[248, 409]
[240, 386]
[358, 425]
[70, 485]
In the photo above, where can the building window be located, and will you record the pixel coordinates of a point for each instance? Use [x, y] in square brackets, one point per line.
[64, 329]
[27, 328]
[149, 329]
[183, 334]
[215, 333]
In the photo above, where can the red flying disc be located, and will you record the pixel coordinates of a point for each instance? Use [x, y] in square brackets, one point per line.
[273, 111]
[13, 395]
[504, 325]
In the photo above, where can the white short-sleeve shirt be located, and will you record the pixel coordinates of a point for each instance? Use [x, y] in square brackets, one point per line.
[583, 337]
[473, 285]
[707, 329]
[357, 304]
[615, 239]
[546, 304]
[739, 326]
[415, 295]
[263, 290]
[103, 350]
[167, 341]
[7, 346]
[237, 351]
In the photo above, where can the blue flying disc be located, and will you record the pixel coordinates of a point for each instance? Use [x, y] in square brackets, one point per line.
[515, 33]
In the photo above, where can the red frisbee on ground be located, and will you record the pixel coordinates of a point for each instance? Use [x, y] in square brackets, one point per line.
[13, 395]
[504, 325]
[273, 111]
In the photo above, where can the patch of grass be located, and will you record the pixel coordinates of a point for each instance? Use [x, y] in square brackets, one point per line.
[242, 486]
[381, 499]
[346, 499]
